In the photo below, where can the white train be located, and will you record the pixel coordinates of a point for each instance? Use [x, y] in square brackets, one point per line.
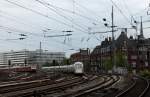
[76, 68]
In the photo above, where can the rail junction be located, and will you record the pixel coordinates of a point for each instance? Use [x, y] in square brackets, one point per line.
[78, 86]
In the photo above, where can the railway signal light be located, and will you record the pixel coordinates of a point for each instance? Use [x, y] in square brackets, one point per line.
[25, 61]
[22, 35]
[22, 38]
[104, 19]
[67, 31]
[9, 62]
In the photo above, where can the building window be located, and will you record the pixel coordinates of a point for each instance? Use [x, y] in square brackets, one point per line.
[133, 57]
[134, 64]
[146, 64]
[146, 57]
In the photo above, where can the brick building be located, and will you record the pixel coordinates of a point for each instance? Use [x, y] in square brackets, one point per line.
[136, 52]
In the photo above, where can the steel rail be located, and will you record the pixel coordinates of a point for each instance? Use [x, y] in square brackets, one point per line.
[32, 84]
[103, 84]
[29, 91]
[132, 86]
[146, 89]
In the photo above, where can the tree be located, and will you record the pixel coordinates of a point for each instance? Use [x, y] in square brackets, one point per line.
[120, 61]
[55, 63]
[108, 64]
[66, 61]
[46, 64]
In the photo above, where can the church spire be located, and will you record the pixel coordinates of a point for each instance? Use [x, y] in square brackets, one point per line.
[141, 29]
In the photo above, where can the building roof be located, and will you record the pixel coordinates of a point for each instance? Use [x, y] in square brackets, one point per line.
[96, 49]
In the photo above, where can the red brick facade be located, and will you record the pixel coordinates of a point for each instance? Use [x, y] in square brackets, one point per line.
[137, 52]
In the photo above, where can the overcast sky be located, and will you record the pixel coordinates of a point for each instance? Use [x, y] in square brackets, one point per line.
[39, 18]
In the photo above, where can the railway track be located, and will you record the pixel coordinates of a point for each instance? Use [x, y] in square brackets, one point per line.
[102, 91]
[70, 86]
[94, 92]
[78, 87]
[147, 92]
[138, 89]
[85, 88]
[6, 88]
[26, 91]
[63, 87]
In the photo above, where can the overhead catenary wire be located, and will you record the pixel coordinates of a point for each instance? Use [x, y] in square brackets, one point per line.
[63, 21]
[18, 31]
[139, 13]
[126, 7]
[75, 13]
[128, 10]
[41, 14]
[122, 13]
[26, 8]
[58, 12]
[19, 20]
[66, 10]
[94, 14]
[133, 16]
[14, 30]
[88, 10]
[55, 10]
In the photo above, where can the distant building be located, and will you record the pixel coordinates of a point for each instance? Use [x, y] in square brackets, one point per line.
[25, 57]
[2, 59]
[136, 52]
[95, 58]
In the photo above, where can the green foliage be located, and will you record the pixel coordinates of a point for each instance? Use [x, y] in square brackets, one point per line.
[129, 67]
[120, 60]
[108, 64]
[66, 61]
[46, 64]
[54, 63]
[145, 73]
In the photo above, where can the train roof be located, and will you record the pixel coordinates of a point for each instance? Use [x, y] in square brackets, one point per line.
[78, 63]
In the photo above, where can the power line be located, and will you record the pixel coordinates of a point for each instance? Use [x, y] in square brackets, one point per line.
[41, 14]
[59, 14]
[75, 13]
[31, 10]
[126, 7]
[15, 19]
[121, 12]
[20, 31]
[48, 4]
[55, 10]
[88, 10]
[18, 20]
[16, 30]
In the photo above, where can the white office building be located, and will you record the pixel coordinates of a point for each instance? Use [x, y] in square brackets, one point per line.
[26, 57]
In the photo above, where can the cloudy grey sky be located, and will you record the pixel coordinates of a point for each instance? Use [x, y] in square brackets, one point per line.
[39, 18]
